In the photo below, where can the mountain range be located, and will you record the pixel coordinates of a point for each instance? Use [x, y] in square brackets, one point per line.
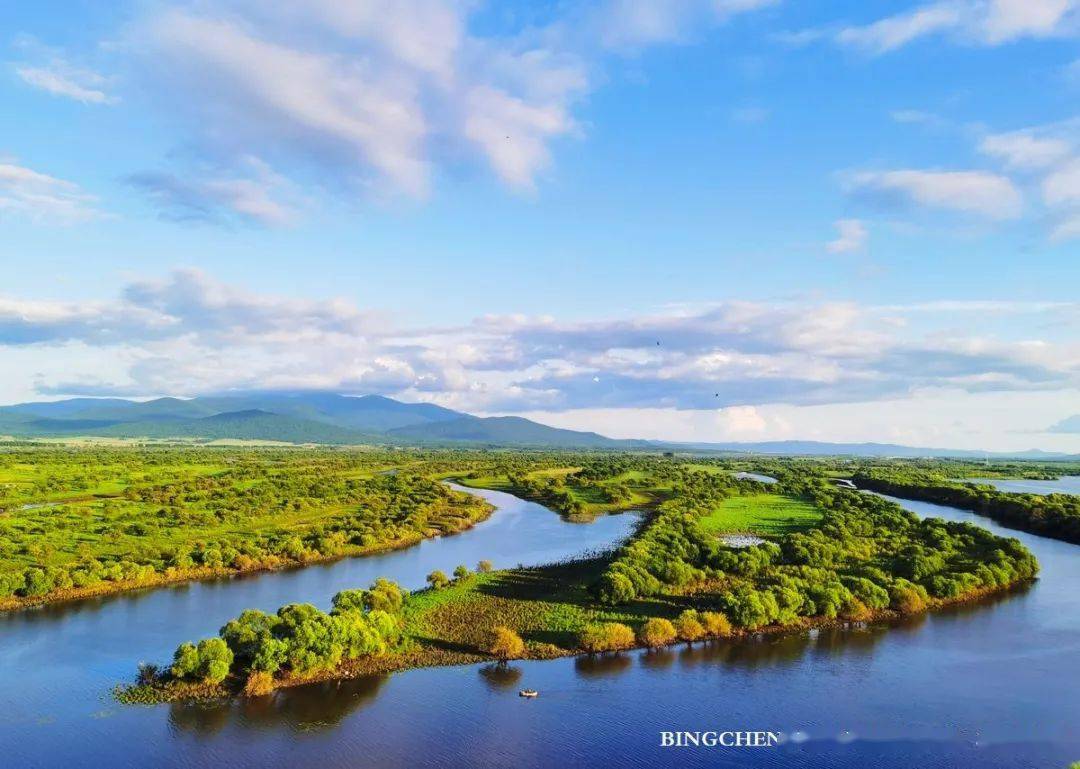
[297, 417]
[331, 418]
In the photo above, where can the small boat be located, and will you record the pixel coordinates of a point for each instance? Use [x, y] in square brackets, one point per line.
[530, 693]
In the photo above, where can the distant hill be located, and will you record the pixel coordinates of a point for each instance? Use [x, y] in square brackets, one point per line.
[322, 417]
[251, 424]
[821, 448]
[369, 413]
[504, 431]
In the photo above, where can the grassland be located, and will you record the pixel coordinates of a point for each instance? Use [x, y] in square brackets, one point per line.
[770, 515]
[85, 521]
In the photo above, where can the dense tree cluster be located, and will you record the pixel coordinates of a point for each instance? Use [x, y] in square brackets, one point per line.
[672, 551]
[867, 554]
[299, 639]
[1052, 515]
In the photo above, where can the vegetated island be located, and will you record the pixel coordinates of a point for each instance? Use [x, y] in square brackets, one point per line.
[81, 522]
[835, 556]
[1052, 515]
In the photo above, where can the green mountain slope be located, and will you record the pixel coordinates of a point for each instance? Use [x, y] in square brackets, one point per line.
[244, 425]
[504, 431]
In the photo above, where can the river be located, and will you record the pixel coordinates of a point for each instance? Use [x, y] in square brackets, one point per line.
[990, 685]
[1066, 484]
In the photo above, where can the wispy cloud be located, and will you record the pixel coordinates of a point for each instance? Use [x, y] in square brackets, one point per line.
[980, 22]
[42, 198]
[258, 196]
[851, 237]
[60, 78]
[973, 192]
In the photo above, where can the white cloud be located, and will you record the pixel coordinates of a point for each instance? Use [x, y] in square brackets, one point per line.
[379, 95]
[942, 418]
[42, 198]
[632, 24]
[982, 22]
[61, 79]
[974, 192]
[851, 237]
[741, 421]
[1062, 186]
[292, 97]
[1025, 150]
[895, 31]
[1007, 20]
[376, 92]
[188, 334]
[1061, 192]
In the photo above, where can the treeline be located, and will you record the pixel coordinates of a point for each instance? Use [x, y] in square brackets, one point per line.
[1052, 515]
[867, 555]
[612, 481]
[672, 550]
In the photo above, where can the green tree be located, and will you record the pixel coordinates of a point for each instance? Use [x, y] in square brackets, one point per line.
[185, 661]
[462, 572]
[437, 579]
[215, 659]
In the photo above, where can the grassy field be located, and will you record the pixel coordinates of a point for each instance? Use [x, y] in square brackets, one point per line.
[92, 520]
[766, 514]
[547, 606]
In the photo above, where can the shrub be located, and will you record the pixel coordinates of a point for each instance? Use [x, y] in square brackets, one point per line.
[484, 566]
[259, 684]
[505, 644]
[656, 632]
[605, 636]
[688, 626]
[715, 623]
[437, 579]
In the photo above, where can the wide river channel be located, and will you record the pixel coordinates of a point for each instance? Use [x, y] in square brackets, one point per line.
[995, 684]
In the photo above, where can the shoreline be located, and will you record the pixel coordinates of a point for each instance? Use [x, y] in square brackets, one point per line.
[430, 656]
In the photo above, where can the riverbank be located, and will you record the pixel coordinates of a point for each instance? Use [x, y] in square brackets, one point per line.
[1055, 515]
[174, 576]
[546, 606]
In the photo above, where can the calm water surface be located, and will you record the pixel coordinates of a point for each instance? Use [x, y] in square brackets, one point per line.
[1066, 484]
[993, 685]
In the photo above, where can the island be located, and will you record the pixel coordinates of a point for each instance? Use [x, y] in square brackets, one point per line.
[716, 555]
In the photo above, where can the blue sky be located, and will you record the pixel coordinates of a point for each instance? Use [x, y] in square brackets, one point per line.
[840, 220]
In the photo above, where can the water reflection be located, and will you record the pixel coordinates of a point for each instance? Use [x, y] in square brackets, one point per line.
[657, 659]
[602, 665]
[300, 709]
[499, 677]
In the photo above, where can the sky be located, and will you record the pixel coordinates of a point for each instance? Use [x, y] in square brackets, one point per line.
[709, 220]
